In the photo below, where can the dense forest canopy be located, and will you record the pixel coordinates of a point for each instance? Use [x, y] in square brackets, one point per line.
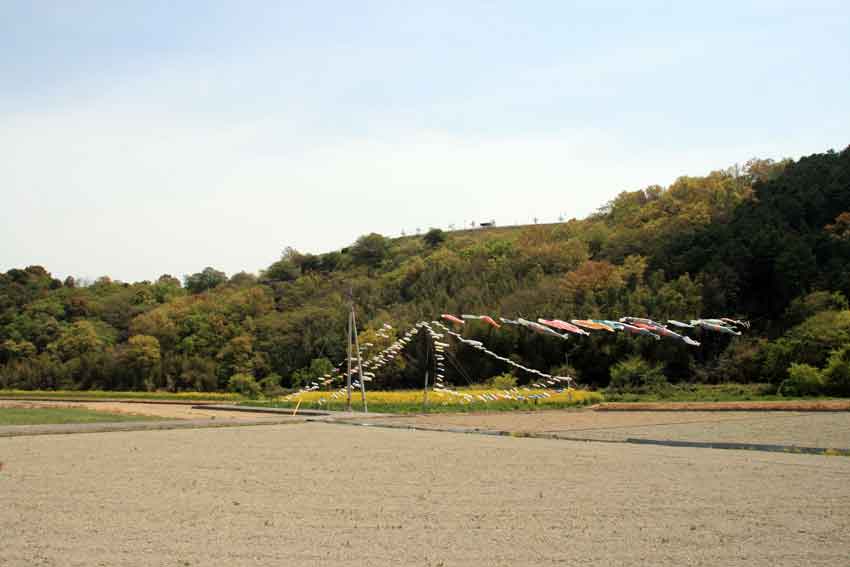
[768, 242]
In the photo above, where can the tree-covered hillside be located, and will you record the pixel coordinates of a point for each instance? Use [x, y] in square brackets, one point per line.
[768, 242]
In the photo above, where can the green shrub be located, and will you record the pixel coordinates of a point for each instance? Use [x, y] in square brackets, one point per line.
[270, 386]
[776, 356]
[636, 375]
[836, 375]
[244, 384]
[803, 380]
[318, 367]
[741, 362]
[503, 381]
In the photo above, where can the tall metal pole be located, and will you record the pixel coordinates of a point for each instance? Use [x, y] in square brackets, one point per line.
[427, 369]
[359, 360]
[348, 376]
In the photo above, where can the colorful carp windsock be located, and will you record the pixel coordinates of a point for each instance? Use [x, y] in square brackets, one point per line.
[563, 326]
[665, 332]
[726, 322]
[592, 325]
[639, 331]
[713, 322]
[636, 320]
[715, 325]
[452, 318]
[542, 329]
[547, 331]
[486, 318]
[616, 325]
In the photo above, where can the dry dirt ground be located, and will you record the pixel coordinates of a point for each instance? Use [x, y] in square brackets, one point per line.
[333, 494]
[803, 429]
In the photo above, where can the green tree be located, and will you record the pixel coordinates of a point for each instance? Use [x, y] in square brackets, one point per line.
[237, 356]
[204, 280]
[77, 339]
[141, 359]
[434, 237]
[198, 373]
[330, 261]
[169, 280]
[370, 250]
[16, 350]
[318, 368]
[805, 306]
[243, 279]
[286, 269]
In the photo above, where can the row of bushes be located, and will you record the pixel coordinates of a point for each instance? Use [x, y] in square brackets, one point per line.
[807, 380]
[636, 376]
[250, 387]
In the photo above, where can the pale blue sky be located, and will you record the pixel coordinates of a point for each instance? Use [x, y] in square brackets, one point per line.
[139, 138]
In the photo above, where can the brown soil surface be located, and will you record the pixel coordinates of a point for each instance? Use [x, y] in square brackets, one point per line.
[824, 430]
[559, 420]
[327, 494]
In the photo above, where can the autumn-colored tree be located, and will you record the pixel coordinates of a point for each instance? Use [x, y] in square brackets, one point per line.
[141, 358]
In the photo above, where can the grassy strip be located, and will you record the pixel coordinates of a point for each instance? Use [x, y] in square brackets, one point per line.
[706, 393]
[41, 416]
[411, 401]
[115, 395]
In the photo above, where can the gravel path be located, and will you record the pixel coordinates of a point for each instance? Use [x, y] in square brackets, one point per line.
[328, 494]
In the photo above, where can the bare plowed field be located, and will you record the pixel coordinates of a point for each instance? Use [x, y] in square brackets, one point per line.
[803, 429]
[331, 494]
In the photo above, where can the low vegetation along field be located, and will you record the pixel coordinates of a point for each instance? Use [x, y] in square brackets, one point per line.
[39, 416]
[120, 395]
[411, 401]
[700, 393]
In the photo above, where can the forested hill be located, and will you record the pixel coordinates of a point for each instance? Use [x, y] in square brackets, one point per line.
[769, 242]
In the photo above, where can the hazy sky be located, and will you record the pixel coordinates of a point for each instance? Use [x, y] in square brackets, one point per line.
[150, 137]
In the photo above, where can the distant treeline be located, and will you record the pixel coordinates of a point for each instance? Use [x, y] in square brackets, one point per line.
[768, 242]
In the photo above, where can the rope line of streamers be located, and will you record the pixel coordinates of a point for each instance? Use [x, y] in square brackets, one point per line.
[535, 390]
